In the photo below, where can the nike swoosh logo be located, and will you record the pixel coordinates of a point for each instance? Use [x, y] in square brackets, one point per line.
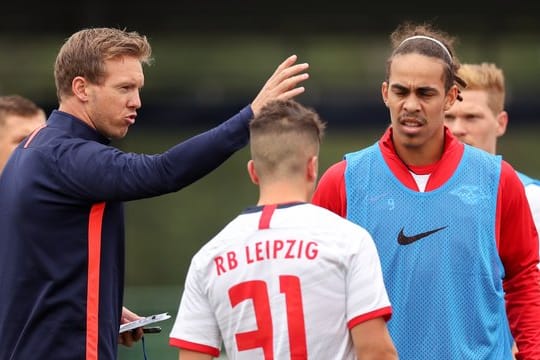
[403, 239]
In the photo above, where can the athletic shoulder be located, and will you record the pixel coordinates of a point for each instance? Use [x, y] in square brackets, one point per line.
[341, 228]
[509, 176]
[330, 191]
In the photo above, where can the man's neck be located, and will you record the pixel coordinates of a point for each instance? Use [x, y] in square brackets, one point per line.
[282, 193]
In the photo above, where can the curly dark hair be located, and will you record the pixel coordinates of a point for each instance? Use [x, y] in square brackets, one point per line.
[425, 39]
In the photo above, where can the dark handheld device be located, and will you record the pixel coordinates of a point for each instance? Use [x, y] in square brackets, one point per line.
[152, 330]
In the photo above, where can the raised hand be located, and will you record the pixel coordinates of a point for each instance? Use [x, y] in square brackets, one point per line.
[283, 84]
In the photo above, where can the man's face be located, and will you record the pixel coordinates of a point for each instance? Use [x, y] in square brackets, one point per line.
[416, 98]
[473, 122]
[14, 130]
[112, 105]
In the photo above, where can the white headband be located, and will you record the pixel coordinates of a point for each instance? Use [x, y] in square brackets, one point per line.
[428, 38]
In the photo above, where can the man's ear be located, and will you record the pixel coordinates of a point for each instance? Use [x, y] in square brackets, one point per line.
[79, 86]
[384, 92]
[502, 122]
[451, 97]
[252, 172]
[313, 168]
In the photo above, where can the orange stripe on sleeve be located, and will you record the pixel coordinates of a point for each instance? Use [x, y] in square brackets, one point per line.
[92, 297]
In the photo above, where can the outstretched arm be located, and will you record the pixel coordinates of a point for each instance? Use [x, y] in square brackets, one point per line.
[114, 175]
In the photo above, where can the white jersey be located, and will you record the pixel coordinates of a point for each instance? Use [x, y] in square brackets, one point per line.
[281, 283]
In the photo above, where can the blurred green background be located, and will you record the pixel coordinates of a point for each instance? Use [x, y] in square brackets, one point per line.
[211, 59]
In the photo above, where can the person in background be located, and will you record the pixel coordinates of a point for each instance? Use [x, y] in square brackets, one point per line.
[451, 223]
[480, 119]
[18, 117]
[285, 279]
[61, 213]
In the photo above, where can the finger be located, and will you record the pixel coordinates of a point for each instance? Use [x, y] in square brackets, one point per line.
[128, 338]
[137, 334]
[273, 91]
[125, 339]
[128, 315]
[284, 79]
[291, 93]
[285, 64]
[287, 73]
[290, 83]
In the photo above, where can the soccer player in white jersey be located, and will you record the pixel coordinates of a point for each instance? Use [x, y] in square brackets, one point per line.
[480, 119]
[285, 279]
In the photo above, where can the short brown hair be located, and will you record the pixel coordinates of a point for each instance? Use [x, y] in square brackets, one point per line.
[283, 135]
[17, 105]
[84, 54]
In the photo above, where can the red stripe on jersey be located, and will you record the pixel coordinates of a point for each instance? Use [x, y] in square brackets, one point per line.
[267, 211]
[385, 312]
[187, 345]
[92, 296]
[32, 135]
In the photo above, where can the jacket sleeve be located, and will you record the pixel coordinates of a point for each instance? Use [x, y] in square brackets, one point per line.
[97, 172]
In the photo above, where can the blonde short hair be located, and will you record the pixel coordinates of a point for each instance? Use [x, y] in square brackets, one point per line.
[486, 77]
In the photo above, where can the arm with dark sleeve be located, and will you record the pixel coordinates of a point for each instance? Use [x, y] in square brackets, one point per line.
[199, 155]
[330, 192]
[94, 171]
[518, 249]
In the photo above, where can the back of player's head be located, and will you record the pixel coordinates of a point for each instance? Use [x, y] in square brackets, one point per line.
[19, 106]
[284, 136]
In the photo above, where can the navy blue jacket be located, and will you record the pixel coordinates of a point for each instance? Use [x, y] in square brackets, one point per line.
[62, 231]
